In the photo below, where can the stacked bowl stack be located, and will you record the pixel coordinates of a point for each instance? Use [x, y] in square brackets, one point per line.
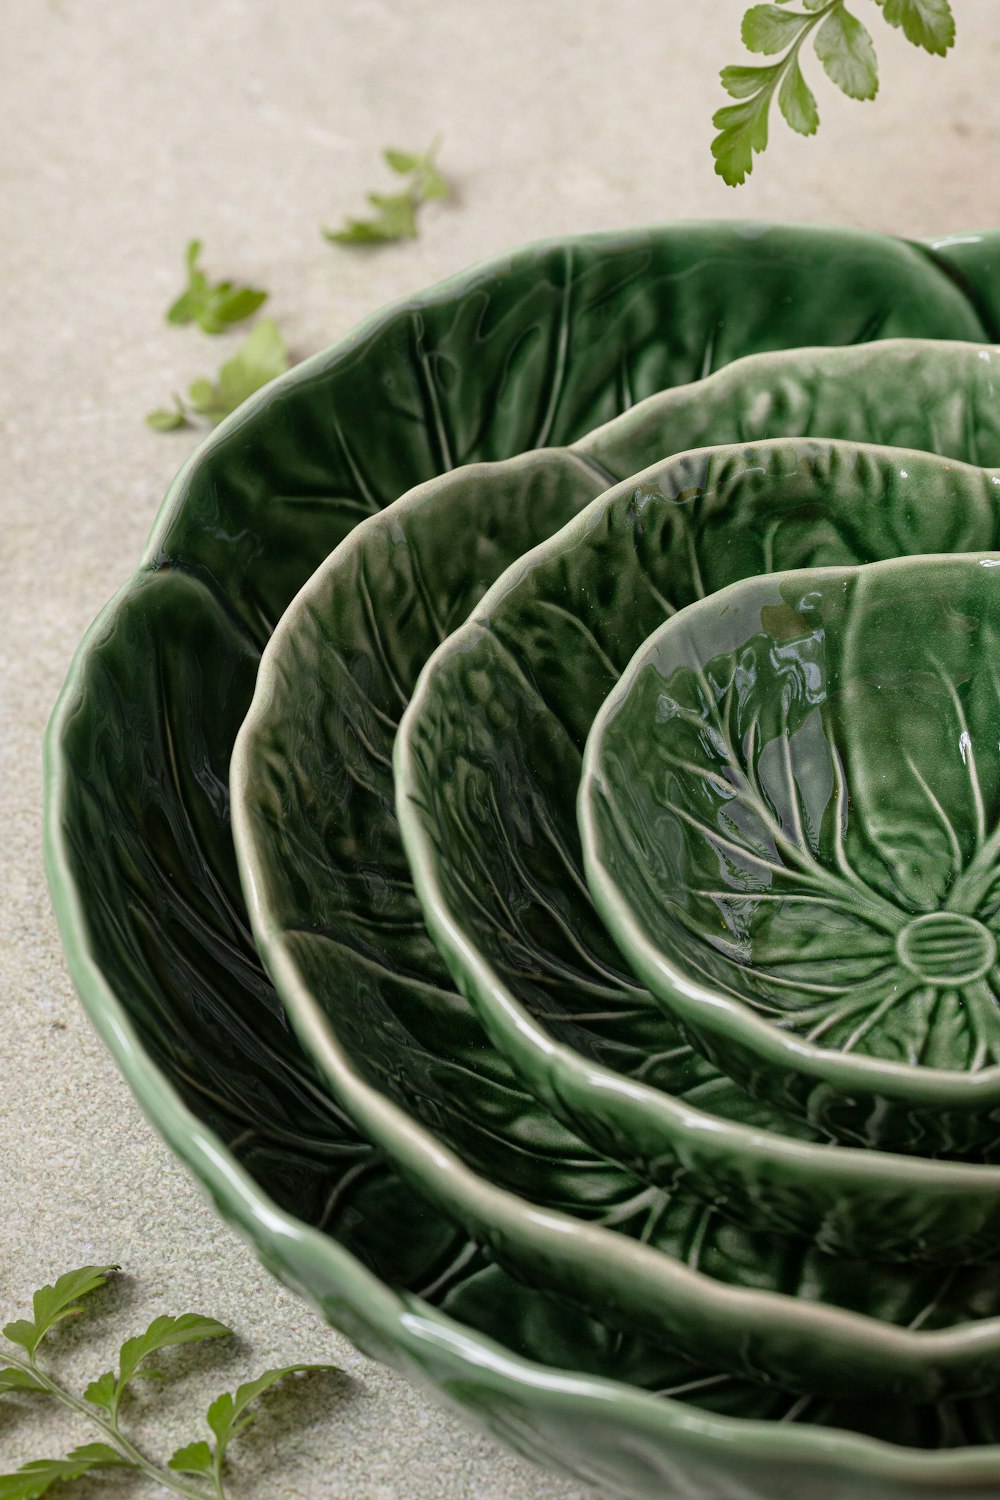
[530, 834]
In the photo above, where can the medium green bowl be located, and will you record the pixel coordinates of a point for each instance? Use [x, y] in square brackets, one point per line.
[536, 348]
[790, 817]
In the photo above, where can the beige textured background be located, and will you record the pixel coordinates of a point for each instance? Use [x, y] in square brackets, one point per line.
[126, 127]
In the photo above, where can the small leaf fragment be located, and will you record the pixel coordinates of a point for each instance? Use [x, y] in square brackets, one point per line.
[403, 162]
[165, 419]
[236, 304]
[51, 1304]
[165, 1332]
[226, 1414]
[101, 1392]
[260, 358]
[194, 1458]
[742, 132]
[926, 23]
[34, 1479]
[844, 47]
[797, 102]
[212, 307]
[395, 216]
[19, 1380]
[744, 79]
[769, 29]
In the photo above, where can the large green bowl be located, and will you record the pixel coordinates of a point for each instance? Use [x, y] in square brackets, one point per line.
[790, 816]
[537, 348]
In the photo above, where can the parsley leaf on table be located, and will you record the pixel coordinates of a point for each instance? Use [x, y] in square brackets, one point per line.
[395, 216]
[260, 357]
[213, 306]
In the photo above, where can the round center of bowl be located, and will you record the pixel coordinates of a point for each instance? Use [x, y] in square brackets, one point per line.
[946, 948]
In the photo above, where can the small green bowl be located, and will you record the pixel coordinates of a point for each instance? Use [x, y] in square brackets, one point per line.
[790, 816]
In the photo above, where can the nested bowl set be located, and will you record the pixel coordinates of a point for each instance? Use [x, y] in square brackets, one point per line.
[529, 832]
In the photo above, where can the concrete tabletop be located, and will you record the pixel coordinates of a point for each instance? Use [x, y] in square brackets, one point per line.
[127, 128]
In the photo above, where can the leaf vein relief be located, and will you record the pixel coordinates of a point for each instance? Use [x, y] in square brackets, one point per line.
[813, 811]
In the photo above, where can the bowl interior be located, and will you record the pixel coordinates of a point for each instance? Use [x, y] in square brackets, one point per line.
[796, 796]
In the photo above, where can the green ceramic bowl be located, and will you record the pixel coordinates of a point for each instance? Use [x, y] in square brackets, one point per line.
[611, 1075]
[790, 815]
[548, 343]
[488, 756]
[354, 965]
[339, 928]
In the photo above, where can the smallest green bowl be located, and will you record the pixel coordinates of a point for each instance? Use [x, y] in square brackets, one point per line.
[790, 815]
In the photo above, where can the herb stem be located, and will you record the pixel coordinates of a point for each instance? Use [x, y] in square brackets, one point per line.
[217, 1473]
[109, 1428]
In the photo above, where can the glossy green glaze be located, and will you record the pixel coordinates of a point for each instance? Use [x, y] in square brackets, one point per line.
[597, 1073]
[536, 348]
[488, 756]
[340, 930]
[353, 960]
[790, 813]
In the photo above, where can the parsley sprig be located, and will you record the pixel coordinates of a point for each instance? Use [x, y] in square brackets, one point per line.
[196, 1470]
[260, 357]
[214, 306]
[844, 47]
[395, 216]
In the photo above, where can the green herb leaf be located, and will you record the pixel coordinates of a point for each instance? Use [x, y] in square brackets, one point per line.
[51, 1304]
[195, 1458]
[845, 49]
[769, 29]
[926, 23]
[165, 1332]
[742, 81]
[101, 1392]
[33, 1479]
[403, 162]
[19, 1380]
[797, 102]
[165, 420]
[212, 307]
[226, 1415]
[742, 131]
[260, 357]
[843, 46]
[395, 217]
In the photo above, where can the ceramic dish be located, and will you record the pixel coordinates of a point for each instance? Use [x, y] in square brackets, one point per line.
[790, 817]
[339, 929]
[335, 689]
[152, 917]
[488, 754]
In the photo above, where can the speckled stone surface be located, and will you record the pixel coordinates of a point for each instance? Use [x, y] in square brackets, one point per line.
[126, 129]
